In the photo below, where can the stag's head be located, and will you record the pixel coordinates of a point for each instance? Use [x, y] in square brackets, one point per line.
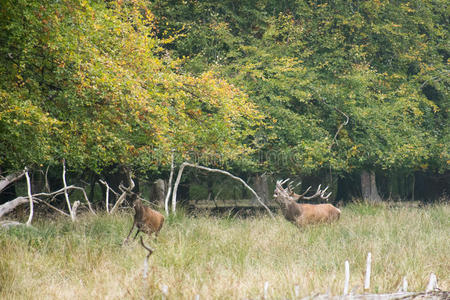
[281, 195]
[136, 201]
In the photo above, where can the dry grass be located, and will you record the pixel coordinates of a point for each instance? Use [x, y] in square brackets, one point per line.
[226, 258]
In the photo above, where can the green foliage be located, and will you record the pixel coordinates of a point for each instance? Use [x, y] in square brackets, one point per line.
[96, 87]
[124, 83]
[382, 63]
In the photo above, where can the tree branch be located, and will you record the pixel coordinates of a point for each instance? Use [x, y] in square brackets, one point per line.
[30, 197]
[169, 190]
[5, 181]
[186, 164]
[124, 192]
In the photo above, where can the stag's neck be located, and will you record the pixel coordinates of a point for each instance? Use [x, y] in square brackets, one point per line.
[139, 210]
[291, 210]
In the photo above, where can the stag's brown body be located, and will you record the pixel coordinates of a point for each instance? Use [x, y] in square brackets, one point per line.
[303, 214]
[146, 219]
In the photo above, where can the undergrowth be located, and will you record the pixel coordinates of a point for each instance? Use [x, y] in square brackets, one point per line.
[226, 257]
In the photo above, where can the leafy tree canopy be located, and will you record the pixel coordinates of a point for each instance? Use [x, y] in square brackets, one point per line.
[91, 82]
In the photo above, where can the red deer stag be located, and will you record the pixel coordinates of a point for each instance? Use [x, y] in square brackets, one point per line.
[302, 214]
[145, 219]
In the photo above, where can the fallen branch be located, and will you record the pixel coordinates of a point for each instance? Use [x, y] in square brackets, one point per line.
[51, 206]
[5, 181]
[7, 224]
[186, 164]
[435, 295]
[11, 205]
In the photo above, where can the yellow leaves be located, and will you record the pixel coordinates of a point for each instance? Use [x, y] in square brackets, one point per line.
[424, 166]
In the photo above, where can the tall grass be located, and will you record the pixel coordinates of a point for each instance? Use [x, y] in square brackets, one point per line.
[226, 258]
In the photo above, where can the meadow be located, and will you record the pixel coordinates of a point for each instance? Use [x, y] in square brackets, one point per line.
[226, 257]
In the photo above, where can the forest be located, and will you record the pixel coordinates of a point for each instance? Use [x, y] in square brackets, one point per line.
[112, 111]
[351, 94]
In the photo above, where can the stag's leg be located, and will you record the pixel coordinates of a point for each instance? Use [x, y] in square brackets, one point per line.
[137, 232]
[131, 230]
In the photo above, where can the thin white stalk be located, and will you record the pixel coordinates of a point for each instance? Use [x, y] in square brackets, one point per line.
[30, 197]
[150, 251]
[347, 277]
[47, 186]
[432, 284]
[86, 199]
[297, 291]
[368, 266]
[107, 199]
[66, 195]
[169, 190]
[107, 194]
[266, 290]
[404, 285]
[165, 291]
[175, 187]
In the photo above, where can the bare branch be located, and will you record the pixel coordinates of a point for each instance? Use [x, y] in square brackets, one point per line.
[51, 206]
[5, 181]
[150, 251]
[124, 192]
[347, 119]
[215, 171]
[169, 190]
[66, 195]
[339, 128]
[7, 224]
[107, 194]
[47, 186]
[175, 187]
[30, 197]
[11, 205]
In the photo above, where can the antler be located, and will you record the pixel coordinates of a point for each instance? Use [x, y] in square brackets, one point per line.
[319, 193]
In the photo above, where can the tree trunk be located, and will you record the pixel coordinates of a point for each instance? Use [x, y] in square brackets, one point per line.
[159, 192]
[262, 187]
[369, 187]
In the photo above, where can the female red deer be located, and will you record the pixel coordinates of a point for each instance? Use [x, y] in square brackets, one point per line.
[302, 214]
[145, 219]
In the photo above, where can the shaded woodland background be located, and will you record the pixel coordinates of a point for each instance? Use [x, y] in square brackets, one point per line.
[351, 94]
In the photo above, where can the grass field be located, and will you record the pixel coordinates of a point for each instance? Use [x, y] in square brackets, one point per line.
[226, 257]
